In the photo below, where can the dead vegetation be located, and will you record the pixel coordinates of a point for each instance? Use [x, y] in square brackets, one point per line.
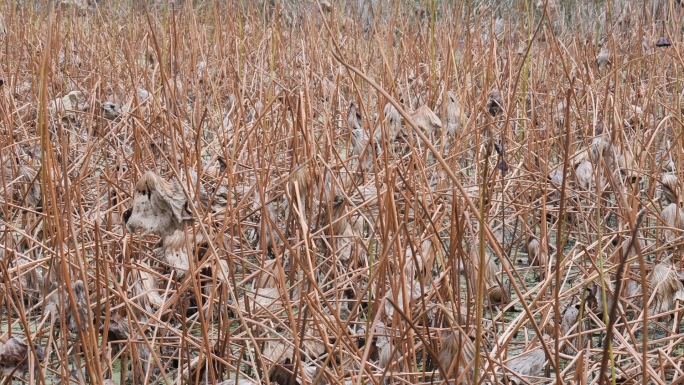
[260, 192]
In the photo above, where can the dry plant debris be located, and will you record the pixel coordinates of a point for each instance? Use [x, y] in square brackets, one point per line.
[336, 192]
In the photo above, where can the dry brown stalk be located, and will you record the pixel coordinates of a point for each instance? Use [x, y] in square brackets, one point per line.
[235, 193]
